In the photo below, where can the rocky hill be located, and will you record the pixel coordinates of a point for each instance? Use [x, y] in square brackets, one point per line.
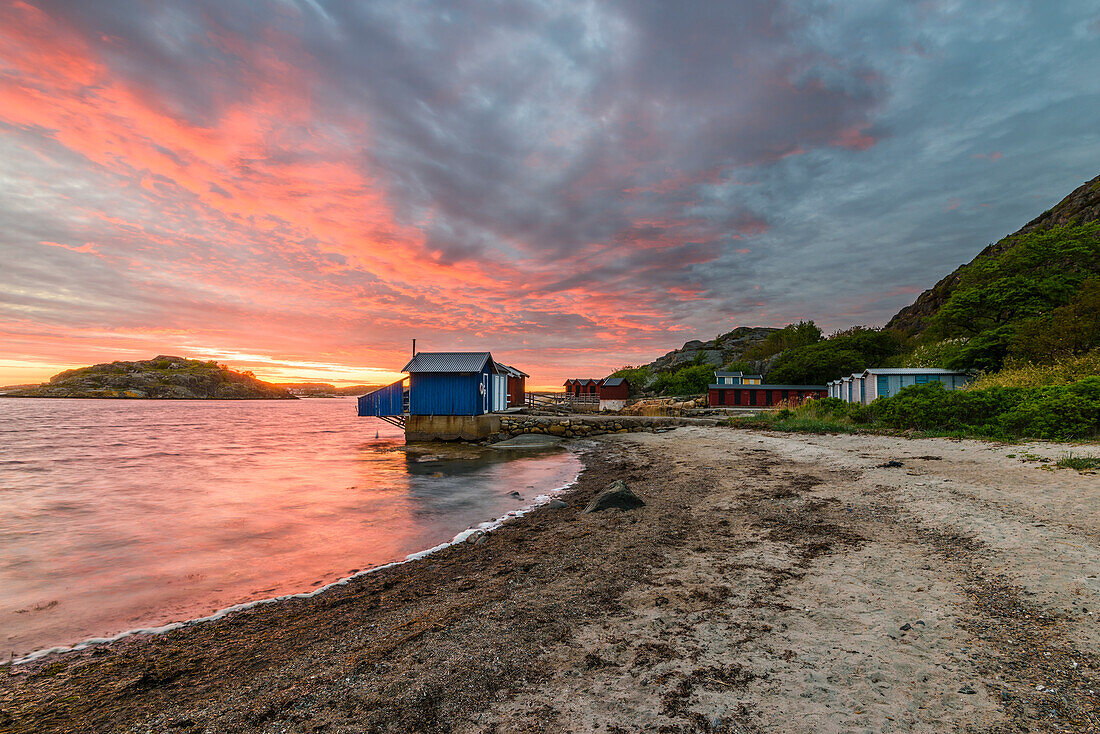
[162, 377]
[1080, 207]
[727, 348]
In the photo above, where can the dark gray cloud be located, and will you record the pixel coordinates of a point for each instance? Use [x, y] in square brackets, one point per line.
[688, 167]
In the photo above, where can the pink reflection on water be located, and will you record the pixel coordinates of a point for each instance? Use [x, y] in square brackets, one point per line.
[124, 514]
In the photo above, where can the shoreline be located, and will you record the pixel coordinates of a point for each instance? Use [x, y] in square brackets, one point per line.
[485, 527]
[772, 582]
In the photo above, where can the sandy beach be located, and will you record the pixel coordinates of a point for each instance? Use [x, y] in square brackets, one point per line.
[771, 583]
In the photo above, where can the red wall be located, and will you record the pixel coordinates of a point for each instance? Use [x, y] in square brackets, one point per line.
[517, 391]
[765, 396]
[618, 392]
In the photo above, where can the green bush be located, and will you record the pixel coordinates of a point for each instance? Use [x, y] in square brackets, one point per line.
[690, 380]
[638, 377]
[841, 354]
[1056, 412]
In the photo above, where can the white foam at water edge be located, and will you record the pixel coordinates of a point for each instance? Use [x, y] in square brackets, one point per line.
[484, 527]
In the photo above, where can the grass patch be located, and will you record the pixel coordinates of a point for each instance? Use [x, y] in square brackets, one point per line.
[1080, 463]
[806, 418]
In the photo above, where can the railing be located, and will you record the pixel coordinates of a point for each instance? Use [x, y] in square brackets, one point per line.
[389, 403]
[560, 402]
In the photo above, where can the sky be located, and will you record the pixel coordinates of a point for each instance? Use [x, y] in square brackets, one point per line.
[302, 187]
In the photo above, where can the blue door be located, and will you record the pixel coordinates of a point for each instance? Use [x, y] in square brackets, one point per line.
[883, 386]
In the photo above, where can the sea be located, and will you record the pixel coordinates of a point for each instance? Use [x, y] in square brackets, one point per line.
[122, 515]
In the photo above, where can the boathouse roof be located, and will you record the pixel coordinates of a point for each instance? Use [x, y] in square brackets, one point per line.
[512, 370]
[614, 381]
[448, 362]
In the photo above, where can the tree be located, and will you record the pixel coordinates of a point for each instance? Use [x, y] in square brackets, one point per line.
[790, 336]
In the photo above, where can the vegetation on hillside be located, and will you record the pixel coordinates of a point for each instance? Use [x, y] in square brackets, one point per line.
[843, 353]
[1045, 283]
[162, 377]
[691, 379]
[791, 336]
[1024, 316]
[1030, 374]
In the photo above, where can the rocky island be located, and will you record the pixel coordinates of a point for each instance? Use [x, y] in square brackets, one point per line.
[163, 378]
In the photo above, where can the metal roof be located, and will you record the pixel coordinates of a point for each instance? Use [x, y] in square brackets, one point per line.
[719, 373]
[512, 370]
[907, 371]
[767, 387]
[613, 381]
[448, 362]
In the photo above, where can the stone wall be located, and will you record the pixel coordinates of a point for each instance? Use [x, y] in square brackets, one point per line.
[515, 425]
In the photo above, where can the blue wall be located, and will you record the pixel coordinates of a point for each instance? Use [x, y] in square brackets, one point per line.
[388, 400]
[446, 393]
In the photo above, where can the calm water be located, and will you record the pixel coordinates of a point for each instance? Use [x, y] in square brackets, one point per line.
[117, 515]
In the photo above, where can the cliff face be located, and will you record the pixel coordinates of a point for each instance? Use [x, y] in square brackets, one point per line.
[162, 377]
[728, 347]
[1081, 206]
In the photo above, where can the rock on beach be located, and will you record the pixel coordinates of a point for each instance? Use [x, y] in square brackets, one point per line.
[616, 496]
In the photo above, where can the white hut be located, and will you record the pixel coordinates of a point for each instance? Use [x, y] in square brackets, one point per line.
[882, 382]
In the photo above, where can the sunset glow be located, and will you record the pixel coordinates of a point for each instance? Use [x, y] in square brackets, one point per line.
[300, 189]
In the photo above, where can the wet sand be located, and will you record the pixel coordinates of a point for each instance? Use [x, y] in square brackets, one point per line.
[771, 583]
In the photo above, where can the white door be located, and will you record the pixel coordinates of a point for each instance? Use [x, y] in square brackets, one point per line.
[499, 392]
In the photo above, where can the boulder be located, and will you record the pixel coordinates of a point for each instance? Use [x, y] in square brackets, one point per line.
[617, 495]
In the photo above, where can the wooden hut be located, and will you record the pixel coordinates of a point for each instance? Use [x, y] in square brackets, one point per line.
[517, 386]
[882, 382]
[456, 383]
[614, 392]
[761, 396]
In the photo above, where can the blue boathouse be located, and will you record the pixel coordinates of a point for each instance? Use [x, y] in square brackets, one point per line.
[442, 384]
[456, 383]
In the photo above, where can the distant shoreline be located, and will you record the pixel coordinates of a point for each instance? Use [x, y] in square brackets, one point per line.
[162, 399]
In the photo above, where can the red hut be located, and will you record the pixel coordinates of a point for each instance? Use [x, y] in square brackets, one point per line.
[761, 396]
[614, 392]
[517, 386]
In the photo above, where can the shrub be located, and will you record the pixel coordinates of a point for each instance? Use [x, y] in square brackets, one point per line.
[790, 336]
[1026, 374]
[638, 377]
[1054, 412]
[690, 380]
[1058, 412]
[841, 354]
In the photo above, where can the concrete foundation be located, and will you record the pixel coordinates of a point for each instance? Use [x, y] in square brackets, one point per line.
[451, 427]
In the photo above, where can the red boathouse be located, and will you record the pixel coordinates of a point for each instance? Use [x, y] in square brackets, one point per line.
[761, 396]
[517, 386]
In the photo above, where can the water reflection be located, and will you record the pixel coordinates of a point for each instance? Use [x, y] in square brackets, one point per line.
[120, 514]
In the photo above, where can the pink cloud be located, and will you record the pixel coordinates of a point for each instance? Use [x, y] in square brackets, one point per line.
[854, 138]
